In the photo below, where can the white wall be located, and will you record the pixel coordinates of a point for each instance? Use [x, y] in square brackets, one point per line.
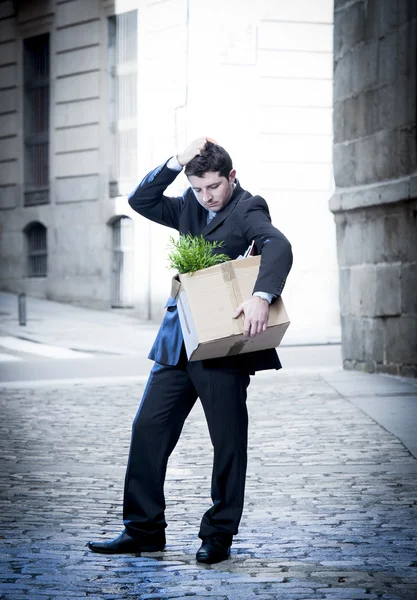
[260, 83]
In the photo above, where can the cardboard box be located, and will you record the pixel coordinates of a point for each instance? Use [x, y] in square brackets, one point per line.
[206, 302]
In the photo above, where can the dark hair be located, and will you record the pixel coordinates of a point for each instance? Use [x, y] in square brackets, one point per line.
[213, 158]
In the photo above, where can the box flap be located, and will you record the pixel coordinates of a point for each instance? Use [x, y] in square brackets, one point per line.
[175, 286]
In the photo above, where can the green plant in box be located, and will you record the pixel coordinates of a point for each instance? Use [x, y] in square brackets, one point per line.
[192, 253]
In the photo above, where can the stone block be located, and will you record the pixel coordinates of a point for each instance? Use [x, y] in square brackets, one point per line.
[363, 286]
[9, 173]
[406, 108]
[308, 11]
[401, 340]
[369, 108]
[364, 153]
[287, 64]
[87, 213]
[8, 100]
[374, 346]
[8, 76]
[413, 186]
[406, 150]
[387, 58]
[78, 87]
[400, 237]
[350, 118]
[389, 15]
[296, 92]
[407, 11]
[339, 124]
[385, 155]
[11, 251]
[382, 105]
[76, 189]
[344, 290]
[373, 228]
[388, 290]
[296, 176]
[349, 242]
[408, 371]
[77, 138]
[78, 61]
[395, 105]
[407, 40]
[339, 4]
[164, 15]
[9, 149]
[7, 30]
[384, 162]
[77, 163]
[342, 87]
[78, 36]
[352, 338]
[312, 37]
[296, 120]
[344, 164]
[349, 28]
[6, 9]
[9, 195]
[88, 240]
[372, 19]
[296, 148]
[29, 11]
[364, 67]
[388, 369]
[8, 53]
[77, 11]
[70, 114]
[409, 288]
[154, 43]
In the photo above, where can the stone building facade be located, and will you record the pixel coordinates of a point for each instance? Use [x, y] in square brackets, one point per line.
[95, 93]
[375, 169]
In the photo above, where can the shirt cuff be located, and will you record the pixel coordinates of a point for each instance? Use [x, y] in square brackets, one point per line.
[265, 296]
[173, 164]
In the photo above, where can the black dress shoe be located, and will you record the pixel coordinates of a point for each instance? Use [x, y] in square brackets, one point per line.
[125, 544]
[214, 549]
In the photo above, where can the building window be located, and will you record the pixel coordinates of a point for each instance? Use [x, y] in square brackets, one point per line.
[36, 119]
[123, 101]
[37, 252]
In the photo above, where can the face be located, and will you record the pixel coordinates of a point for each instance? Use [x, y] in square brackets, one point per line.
[213, 190]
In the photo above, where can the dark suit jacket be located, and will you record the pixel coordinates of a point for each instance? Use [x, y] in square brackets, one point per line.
[243, 219]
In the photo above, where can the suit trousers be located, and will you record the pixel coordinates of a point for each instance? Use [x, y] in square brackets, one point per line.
[170, 394]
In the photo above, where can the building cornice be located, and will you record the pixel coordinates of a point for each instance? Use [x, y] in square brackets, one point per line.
[375, 194]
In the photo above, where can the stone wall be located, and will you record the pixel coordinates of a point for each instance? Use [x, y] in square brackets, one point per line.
[375, 168]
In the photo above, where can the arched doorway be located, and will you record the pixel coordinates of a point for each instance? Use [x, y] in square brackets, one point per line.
[122, 263]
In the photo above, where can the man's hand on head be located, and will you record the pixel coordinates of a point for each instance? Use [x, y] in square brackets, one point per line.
[194, 149]
[256, 311]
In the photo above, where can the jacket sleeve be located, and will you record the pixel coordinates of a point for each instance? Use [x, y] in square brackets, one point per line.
[148, 198]
[270, 243]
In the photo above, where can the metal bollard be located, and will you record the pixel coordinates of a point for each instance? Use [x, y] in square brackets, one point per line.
[22, 309]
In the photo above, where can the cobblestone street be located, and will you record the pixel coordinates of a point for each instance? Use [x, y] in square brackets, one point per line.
[330, 511]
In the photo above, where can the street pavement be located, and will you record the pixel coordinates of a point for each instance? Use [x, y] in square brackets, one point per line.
[331, 502]
[81, 331]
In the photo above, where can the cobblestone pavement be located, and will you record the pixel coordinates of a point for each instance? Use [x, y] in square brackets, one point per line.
[330, 509]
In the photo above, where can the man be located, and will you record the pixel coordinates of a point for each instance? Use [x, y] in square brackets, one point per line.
[217, 207]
